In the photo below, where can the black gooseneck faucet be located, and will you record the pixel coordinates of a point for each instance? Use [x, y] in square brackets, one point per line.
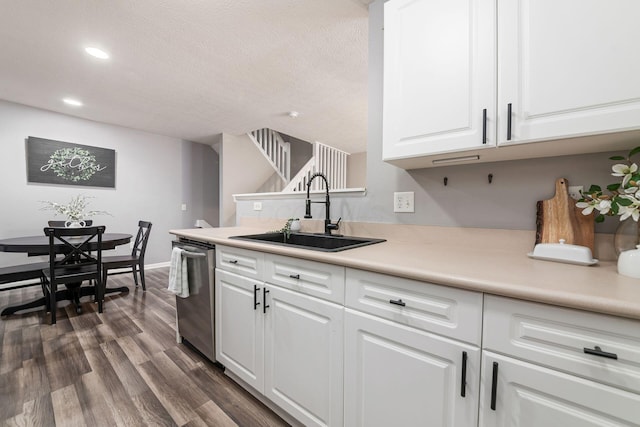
[328, 225]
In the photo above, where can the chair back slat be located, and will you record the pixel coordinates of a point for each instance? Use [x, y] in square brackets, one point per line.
[77, 246]
[140, 244]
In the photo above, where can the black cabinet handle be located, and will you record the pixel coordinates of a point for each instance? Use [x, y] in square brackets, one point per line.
[484, 126]
[233, 261]
[265, 291]
[494, 386]
[597, 351]
[509, 122]
[397, 302]
[295, 276]
[256, 303]
[463, 381]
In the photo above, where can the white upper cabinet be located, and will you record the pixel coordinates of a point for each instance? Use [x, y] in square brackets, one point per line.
[439, 76]
[561, 73]
[567, 68]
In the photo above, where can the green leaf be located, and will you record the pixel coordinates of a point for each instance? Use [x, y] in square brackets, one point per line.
[600, 218]
[594, 189]
[623, 202]
[613, 187]
[634, 151]
[617, 158]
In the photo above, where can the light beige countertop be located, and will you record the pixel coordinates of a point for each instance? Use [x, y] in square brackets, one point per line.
[483, 260]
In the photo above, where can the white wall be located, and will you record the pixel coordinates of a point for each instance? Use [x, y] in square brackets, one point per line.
[468, 200]
[149, 179]
[243, 170]
[357, 170]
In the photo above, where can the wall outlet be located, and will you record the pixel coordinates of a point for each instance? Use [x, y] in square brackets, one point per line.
[574, 191]
[184, 207]
[257, 206]
[403, 201]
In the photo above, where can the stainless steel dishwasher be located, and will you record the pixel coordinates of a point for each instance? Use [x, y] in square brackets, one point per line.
[195, 314]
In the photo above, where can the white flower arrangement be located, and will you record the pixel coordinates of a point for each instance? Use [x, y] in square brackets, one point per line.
[623, 199]
[75, 210]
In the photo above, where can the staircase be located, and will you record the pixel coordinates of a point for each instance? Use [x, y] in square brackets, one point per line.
[325, 159]
[275, 150]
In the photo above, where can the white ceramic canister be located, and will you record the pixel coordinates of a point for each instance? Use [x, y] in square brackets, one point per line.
[295, 225]
[629, 263]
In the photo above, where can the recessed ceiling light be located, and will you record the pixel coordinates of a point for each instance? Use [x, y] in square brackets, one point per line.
[73, 102]
[293, 114]
[98, 53]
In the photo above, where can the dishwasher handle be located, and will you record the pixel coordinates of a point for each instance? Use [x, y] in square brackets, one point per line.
[189, 254]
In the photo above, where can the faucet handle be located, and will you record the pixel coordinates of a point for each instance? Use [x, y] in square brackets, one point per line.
[334, 226]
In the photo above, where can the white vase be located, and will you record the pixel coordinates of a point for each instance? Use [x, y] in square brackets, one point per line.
[629, 263]
[295, 225]
[74, 223]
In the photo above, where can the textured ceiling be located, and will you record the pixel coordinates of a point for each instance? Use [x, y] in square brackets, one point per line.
[194, 68]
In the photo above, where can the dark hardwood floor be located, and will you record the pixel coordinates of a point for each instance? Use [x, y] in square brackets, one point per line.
[122, 367]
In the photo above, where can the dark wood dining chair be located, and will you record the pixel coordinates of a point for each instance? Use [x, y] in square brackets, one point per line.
[56, 223]
[78, 263]
[135, 261]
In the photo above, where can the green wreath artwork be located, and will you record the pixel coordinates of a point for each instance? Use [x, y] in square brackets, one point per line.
[73, 164]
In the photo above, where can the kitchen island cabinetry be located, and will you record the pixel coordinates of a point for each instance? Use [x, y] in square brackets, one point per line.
[483, 79]
[287, 345]
[552, 366]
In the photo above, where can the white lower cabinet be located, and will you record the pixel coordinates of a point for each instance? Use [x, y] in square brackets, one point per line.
[239, 327]
[552, 366]
[401, 376]
[303, 356]
[286, 345]
[521, 394]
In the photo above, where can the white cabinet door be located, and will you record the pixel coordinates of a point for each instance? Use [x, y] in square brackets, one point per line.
[527, 395]
[439, 76]
[304, 356]
[399, 376]
[239, 326]
[567, 67]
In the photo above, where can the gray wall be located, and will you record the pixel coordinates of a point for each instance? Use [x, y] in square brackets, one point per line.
[468, 200]
[155, 175]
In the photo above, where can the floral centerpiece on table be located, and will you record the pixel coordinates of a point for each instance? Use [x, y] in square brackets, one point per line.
[75, 210]
[623, 198]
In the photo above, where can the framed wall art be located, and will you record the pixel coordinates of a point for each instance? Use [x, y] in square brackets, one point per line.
[65, 163]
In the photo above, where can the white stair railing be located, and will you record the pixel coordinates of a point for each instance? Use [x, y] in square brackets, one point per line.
[327, 160]
[275, 150]
[332, 163]
[299, 182]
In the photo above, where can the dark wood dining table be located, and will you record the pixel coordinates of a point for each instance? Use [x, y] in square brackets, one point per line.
[39, 245]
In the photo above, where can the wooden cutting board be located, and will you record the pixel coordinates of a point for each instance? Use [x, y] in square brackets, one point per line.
[559, 218]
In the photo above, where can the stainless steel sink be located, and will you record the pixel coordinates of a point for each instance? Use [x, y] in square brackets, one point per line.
[316, 242]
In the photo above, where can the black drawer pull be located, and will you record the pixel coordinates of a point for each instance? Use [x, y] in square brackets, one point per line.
[233, 261]
[397, 302]
[597, 351]
[494, 386]
[463, 385]
[295, 276]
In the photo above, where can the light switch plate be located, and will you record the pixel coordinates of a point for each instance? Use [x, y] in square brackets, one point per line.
[403, 201]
